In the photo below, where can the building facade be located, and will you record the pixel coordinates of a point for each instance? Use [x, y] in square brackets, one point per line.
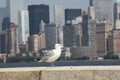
[12, 47]
[103, 9]
[114, 42]
[36, 14]
[2, 42]
[71, 14]
[33, 45]
[23, 27]
[102, 32]
[88, 30]
[51, 35]
[117, 15]
[58, 19]
[72, 35]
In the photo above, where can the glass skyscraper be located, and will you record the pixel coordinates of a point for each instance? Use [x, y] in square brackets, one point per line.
[36, 14]
[103, 9]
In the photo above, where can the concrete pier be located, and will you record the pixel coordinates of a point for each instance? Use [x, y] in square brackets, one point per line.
[61, 73]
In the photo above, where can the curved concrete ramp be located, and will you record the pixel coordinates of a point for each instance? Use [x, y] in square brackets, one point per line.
[61, 73]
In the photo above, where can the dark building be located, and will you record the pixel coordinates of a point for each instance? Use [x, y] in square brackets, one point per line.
[85, 32]
[72, 35]
[5, 23]
[71, 14]
[36, 14]
[2, 42]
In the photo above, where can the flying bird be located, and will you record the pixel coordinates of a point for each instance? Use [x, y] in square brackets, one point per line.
[51, 56]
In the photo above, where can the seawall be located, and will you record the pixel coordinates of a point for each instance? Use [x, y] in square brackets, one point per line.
[61, 73]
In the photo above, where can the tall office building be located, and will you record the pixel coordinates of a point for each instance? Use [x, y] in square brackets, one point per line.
[114, 42]
[71, 14]
[2, 42]
[58, 19]
[51, 35]
[23, 26]
[36, 14]
[11, 10]
[89, 34]
[58, 15]
[12, 47]
[102, 31]
[103, 9]
[117, 15]
[72, 35]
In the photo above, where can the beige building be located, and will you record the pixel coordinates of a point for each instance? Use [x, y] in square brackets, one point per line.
[42, 42]
[12, 46]
[114, 42]
[33, 44]
[102, 30]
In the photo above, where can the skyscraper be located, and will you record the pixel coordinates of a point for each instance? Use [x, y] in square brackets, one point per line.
[23, 28]
[11, 10]
[91, 12]
[36, 14]
[2, 42]
[102, 30]
[51, 35]
[58, 19]
[72, 35]
[12, 47]
[103, 9]
[117, 15]
[71, 14]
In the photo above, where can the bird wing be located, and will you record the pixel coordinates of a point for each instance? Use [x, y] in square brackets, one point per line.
[50, 53]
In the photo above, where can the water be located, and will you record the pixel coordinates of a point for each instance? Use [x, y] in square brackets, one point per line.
[62, 63]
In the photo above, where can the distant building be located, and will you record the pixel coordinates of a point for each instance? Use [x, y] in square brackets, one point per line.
[36, 14]
[33, 45]
[88, 30]
[58, 15]
[114, 42]
[51, 35]
[72, 35]
[117, 15]
[103, 9]
[12, 47]
[2, 42]
[71, 14]
[5, 23]
[10, 11]
[58, 19]
[23, 27]
[83, 51]
[42, 35]
[102, 32]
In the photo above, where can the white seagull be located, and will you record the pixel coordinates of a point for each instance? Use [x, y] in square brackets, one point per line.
[52, 55]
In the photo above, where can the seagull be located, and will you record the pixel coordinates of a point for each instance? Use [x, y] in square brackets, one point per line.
[52, 55]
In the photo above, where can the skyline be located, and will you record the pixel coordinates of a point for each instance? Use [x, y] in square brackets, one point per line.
[64, 3]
